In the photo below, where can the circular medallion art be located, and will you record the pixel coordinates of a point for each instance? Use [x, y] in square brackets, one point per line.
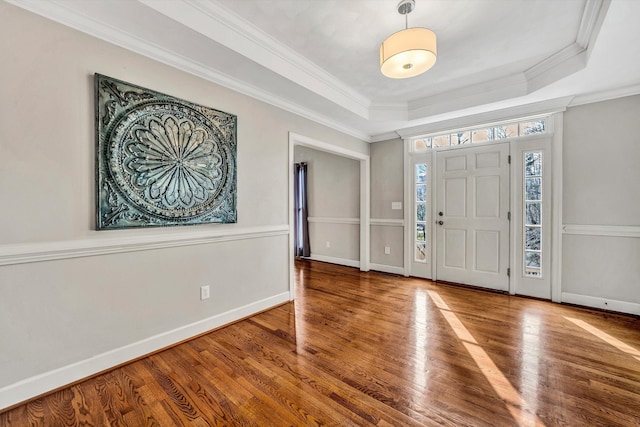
[163, 161]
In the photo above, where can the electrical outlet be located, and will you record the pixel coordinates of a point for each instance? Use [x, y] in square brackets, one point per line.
[396, 206]
[328, 244]
[387, 250]
[204, 292]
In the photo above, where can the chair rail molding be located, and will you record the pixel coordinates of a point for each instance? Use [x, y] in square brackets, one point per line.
[51, 251]
[602, 230]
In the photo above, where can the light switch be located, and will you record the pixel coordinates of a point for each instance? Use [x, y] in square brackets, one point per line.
[396, 206]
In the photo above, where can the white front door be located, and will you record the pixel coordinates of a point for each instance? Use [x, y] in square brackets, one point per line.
[471, 223]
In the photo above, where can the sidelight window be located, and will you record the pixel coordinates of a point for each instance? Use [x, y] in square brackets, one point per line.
[420, 203]
[533, 220]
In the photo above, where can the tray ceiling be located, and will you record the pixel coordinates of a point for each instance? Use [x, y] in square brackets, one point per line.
[319, 59]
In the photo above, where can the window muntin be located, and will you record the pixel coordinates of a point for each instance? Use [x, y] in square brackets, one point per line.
[532, 215]
[482, 134]
[420, 203]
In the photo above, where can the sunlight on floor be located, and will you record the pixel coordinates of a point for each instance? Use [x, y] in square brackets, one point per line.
[522, 412]
[420, 368]
[624, 347]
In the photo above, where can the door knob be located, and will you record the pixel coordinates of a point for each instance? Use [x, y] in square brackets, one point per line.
[440, 222]
[440, 214]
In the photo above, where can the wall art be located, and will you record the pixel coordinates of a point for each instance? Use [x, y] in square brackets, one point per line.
[161, 160]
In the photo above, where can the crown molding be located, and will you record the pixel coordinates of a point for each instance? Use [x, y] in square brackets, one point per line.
[225, 27]
[504, 114]
[590, 98]
[385, 136]
[59, 12]
[486, 92]
[565, 62]
[591, 22]
[574, 57]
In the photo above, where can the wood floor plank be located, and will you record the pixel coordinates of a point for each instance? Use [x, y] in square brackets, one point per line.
[358, 349]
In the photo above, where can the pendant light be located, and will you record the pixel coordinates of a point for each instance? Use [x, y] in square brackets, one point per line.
[409, 52]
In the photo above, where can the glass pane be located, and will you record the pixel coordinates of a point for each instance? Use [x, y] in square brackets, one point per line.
[532, 259]
[533, 236]
[482, 135]
[533, 164]
[505, 131]
[533, 188]
[421, 251]
[421, 173]
[420, 235]
[440, 141]
[422, 144]
[532, 272]
[460, 138]
[421, 193]
[532, 213]
[533, 127]
[421, 212]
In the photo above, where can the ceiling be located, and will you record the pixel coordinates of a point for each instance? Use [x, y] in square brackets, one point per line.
[319, 58]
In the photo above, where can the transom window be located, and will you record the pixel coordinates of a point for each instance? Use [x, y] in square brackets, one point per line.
[485, 133]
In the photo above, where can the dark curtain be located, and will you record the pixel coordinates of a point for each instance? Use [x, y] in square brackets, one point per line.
[301, 225]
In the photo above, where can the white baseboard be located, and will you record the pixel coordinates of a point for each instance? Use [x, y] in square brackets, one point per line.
[602, 303]
[334, 260]
[31, 387]
[387, 269]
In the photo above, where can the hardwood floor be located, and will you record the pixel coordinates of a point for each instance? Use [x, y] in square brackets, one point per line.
[372, 349]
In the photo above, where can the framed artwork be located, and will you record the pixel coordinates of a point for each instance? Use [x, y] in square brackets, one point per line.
[160, 160]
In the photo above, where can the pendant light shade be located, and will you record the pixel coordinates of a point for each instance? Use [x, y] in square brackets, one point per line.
[409, 52]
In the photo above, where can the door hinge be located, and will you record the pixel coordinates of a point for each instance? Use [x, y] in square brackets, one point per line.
[508, 272]
[509, 159]
[508, 216]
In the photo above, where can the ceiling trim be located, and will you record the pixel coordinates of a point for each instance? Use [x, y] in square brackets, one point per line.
[574, 57]
[504, 114]
[230, 30]
[210, 18]
[592, 18]
[64, 15]
[385, 136]
[470, 96]
[590, 98]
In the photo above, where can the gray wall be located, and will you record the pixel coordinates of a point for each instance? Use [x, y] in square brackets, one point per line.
[62, 314]
[601, 188]
[387, 187]
[334, 204]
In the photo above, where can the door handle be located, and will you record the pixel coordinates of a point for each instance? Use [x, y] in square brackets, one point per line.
[440, 222]
[440, 214]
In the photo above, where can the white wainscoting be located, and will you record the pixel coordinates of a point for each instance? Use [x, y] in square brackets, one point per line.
[51, 251]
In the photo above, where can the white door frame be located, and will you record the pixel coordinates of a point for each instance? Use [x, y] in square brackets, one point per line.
[365, 196]
[555, 131]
